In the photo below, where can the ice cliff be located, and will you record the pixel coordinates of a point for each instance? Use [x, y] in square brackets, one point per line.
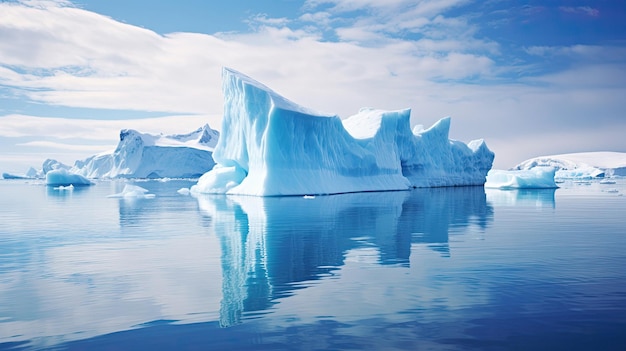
[270, 146]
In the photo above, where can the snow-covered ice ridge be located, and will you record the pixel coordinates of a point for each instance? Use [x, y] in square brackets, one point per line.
[142, 155]
[582, 165]
[270, 146]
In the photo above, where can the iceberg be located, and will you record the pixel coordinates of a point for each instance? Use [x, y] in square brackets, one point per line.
[47, 166]
[535, 178]
[63, 178]
[15, 176]
[582, 165]
[30, 174]
[143, 155]
[270, 146]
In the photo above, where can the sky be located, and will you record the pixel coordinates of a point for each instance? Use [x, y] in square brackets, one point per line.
[531, 78]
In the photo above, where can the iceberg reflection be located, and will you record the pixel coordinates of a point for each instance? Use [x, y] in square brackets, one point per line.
[271, 245]
[541, 198]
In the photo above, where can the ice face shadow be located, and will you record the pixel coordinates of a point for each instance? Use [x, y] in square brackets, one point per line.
[271, 244]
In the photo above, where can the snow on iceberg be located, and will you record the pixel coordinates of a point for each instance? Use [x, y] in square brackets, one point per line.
[270, 146]
[582, 165]
[62, 177]
[535, 178]
[142, 155]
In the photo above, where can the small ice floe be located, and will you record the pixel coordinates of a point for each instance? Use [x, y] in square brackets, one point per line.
[133, 192]
[607, 181]
[64, 188]
[184, 191]
[308, 197]
[611, 191]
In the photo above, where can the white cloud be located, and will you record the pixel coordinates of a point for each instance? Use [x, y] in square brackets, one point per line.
[390, 54]
[321, 19]
[588, 77]
[263, 19]
[71, 147]
[585, 10]
[82, 59]
[420, 7]
[393, 16]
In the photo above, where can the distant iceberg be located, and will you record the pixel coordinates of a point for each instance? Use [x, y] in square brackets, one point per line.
[271, 146]
[15, 176]
[583, 165]
[142, 155]
[47, 166]
[535, 178]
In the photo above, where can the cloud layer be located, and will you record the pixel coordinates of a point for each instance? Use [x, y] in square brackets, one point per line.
[335, 56]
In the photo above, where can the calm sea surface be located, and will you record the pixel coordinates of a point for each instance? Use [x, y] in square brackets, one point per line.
[430, 269]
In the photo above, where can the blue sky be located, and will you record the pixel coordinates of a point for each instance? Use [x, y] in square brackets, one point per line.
[531, 78]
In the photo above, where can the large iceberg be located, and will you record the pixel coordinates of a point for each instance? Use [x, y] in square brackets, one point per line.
[270, 146]
[143, 155]
[581, 165]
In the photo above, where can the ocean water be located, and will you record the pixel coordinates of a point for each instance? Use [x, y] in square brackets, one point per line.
[429, 269]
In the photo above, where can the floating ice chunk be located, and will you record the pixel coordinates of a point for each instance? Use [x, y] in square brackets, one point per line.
[535, 178]
[607, 181]
[62, 188]
[183, 191]
[133, 192]
[62, 177]
[219, 180]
